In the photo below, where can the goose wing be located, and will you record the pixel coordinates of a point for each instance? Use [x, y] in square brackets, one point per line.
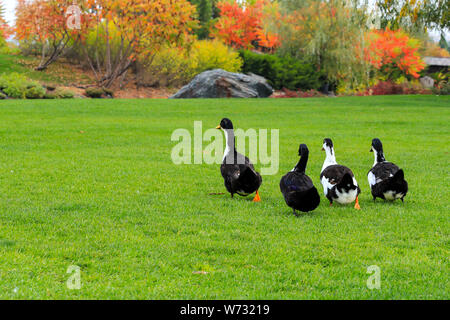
[294, 181]
[381, 172]
[240, 175]
[335, 173]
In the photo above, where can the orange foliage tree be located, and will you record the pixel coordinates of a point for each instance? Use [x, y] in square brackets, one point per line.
[390, 51]
[45, 22]
[241, 25]
[5, 30]
[143, 27]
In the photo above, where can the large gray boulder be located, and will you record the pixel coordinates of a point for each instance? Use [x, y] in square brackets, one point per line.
[219, 83]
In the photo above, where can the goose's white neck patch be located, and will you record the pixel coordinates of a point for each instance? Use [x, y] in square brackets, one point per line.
[330, 159]
[375, 154]
[229, 141]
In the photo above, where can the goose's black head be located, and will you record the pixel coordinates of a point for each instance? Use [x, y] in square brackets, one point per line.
[377, 147]
[225, 124]
[327, 144]
[303, 150]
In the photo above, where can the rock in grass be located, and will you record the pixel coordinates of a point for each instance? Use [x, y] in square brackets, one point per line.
[222, 84]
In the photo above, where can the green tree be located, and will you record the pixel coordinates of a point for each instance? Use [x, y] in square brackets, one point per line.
[443, 43]
[330, 33]
[206, 11]
[414, 16]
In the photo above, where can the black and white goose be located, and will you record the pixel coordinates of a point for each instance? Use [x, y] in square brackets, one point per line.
[339, 183]
[237, 170]
[297, 188]
[386, 180]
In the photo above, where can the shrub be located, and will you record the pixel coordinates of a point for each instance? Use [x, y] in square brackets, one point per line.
[15, 92]
[7, 50]
[213, 54]
[388, 88]
[442, 90]
[282, 72]
[2, 96]
[35, 92]
[176, 67]
[108, 92]
[50, 95]
[14, 85]
[63, 94]
[169, 67]
[3, 82]
[95, 93]
[18, 86]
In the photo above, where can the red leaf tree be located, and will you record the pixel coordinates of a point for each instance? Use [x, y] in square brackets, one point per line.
[5, 30]
[241, 25]
[389, 49]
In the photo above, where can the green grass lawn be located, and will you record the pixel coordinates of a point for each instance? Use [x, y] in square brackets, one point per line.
[91, 183]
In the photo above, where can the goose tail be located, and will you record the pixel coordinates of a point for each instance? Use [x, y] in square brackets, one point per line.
[399, 176]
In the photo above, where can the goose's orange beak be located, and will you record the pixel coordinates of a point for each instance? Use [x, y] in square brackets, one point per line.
[257, 197]
[357, 207]
[219, 127]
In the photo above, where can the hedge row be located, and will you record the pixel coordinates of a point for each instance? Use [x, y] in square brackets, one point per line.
[282, 72]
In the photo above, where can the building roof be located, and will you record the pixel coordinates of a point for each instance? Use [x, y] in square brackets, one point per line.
[436, 61]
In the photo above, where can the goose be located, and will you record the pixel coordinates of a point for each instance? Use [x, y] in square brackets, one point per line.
[339, 183]
[386, 180]
[297, 188]
[237, 170]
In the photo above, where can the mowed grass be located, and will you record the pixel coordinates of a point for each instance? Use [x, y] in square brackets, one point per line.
[91, 183]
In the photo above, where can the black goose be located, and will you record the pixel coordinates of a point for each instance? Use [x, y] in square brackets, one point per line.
[339, 183]
[237, 171]
[386, 180]
[297, 188]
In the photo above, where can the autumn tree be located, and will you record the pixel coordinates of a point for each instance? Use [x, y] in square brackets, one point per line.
[45, 22]
[390, 51]
[241, 25]
[142, 27]
[5, 30]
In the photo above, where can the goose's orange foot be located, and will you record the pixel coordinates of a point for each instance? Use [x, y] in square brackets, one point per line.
[257, 198]
[357, 207]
